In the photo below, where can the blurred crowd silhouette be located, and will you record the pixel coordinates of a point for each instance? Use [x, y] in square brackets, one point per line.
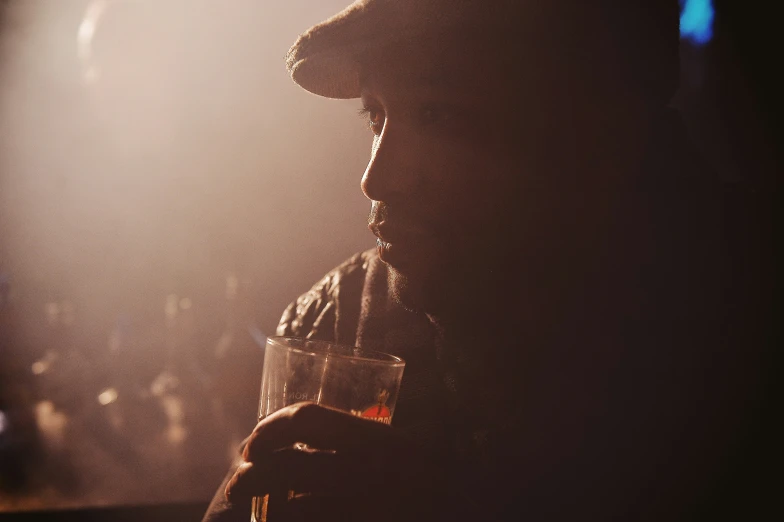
[86, 424]
[149, 215]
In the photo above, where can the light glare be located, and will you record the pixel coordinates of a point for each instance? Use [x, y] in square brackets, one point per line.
[697, 21]
[108, 396]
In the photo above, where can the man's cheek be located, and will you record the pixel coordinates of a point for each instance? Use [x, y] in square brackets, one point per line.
[475, 205]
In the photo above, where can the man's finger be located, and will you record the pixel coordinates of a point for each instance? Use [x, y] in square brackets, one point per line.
[322, 509]
[248, 482]
[305, 470]
[239, 485]
[319, 427]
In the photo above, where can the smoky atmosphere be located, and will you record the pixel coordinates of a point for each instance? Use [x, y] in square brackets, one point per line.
[410, 260]
[163, 185]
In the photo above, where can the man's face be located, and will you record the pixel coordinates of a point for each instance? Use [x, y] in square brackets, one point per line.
[444, 168]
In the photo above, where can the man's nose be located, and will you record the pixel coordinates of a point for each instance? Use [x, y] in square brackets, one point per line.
[389, 176]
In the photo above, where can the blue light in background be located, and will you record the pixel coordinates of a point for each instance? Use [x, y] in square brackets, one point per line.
[697, 21]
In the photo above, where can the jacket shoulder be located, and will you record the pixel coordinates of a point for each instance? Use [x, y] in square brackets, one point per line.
[329, 308]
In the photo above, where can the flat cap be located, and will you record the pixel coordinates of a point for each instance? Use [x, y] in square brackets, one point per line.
[638, 38]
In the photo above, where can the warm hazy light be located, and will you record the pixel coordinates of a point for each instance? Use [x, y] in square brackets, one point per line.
[171, 306]
[108, 396]
[162, 182]
[44, 363]
[84, 39]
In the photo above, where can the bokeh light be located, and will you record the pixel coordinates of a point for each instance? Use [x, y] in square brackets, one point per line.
[697, 21]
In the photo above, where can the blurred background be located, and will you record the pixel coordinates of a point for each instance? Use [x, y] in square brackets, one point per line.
[164, 186]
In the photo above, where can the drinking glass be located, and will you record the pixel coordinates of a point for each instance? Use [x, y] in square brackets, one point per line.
[360, 382]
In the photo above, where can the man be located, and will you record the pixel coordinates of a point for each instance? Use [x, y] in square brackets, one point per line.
[551, 263]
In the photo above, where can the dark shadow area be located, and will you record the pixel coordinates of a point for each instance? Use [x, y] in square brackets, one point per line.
[106, 402]
[159, 513]
[738, 120]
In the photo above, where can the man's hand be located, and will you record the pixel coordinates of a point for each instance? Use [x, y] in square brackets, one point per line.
[332, 461]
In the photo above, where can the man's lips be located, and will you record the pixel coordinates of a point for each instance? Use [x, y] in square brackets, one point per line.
[396, 244]
[393, 254]
[396, 234]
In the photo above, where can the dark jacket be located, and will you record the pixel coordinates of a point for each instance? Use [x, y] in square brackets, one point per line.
[632, 397]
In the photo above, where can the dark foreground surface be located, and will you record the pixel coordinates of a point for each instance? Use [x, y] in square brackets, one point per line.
[167, 512]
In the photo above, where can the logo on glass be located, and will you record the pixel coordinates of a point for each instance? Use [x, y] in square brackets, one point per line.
[378, 412]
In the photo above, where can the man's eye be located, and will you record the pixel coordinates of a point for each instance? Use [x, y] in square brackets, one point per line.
[375, 118]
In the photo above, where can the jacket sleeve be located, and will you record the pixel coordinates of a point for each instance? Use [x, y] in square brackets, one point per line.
[220, 509]
[330, 310]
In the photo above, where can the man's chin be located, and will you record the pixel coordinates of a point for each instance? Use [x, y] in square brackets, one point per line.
[441, 288]
[431, 279]
[414, 292]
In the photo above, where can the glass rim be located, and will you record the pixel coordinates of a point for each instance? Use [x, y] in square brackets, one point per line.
[387, 359]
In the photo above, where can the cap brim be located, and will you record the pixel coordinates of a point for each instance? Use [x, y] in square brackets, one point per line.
[333, 74]
[323, 59]
[326, 59]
